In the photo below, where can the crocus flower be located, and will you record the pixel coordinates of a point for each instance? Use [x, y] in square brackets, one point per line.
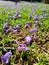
[35, 17]
[22, 48]
[5, 26]
[15, 15]
[28, 39]
[6, 57]
[7, 30]
[16, 27]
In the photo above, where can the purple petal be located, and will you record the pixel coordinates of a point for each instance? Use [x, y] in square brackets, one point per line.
[8, 30]
[22, 45]
[22, 48]
[16, 27]
[7, 61]
[33, 30]
[35, 17]
[6, 57]
[28, 39]
[5, 26]
[16, 15]
[27, 48]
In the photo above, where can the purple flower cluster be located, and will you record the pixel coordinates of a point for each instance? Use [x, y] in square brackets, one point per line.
[22, 47]
[16, 28]
[6, 28]
[6, 57]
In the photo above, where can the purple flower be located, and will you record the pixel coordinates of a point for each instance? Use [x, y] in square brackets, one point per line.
[7, 30]
[35, 17]
[33, 30]
[6, 57]
[15, 15]
[22, 48]
[16, 27]
[5, 26]
[28, 39]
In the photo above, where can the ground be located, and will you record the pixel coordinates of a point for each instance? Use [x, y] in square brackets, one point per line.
[22, 14]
